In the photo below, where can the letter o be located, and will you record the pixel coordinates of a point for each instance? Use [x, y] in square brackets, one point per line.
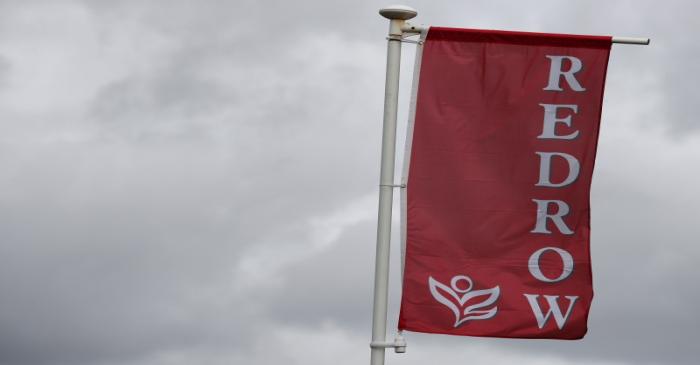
[533, 264]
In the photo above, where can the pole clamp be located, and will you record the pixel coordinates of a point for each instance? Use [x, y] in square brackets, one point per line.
[402, 186]
[398, 38]
[399, 344]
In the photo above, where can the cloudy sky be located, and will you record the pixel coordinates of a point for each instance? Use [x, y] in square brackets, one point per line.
[195, 182]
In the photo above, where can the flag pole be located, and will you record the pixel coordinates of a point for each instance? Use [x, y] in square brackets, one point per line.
[398, 26]
[397, 15]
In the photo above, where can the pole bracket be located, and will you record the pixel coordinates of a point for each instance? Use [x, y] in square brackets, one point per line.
[399, 344]
[402, 186]
[404, 40]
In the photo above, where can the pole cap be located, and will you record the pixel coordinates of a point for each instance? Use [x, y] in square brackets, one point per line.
[398, 12]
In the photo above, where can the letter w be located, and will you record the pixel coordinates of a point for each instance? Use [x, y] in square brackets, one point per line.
[553, 309]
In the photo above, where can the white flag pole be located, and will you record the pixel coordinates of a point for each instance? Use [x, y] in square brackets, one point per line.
[397, 15]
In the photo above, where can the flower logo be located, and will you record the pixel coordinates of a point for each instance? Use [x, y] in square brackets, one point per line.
[463, 301]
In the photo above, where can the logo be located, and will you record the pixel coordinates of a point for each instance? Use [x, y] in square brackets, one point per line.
[465, 303]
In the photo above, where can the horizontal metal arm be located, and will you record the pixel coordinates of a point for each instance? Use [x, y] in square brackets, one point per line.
[402, 186]
[630, 40]
[404, 40]
[411, 28]
[415, 29]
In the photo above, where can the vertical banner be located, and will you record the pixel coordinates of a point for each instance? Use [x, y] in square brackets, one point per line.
[503, 144]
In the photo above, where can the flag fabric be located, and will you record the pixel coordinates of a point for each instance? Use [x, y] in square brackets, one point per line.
[501, 147]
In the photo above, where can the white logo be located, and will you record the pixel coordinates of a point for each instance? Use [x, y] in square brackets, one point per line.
[457, 303]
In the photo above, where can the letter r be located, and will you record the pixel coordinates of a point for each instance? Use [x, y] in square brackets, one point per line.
[543, 216]
[555, 73]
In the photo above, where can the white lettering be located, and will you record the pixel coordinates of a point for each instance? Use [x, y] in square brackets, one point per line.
[534, 264]
[542, 216]
[550, 121]
[546, 168]
[555, 73]
[553, 309]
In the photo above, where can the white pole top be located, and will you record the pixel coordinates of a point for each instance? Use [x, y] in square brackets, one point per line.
[398, 12]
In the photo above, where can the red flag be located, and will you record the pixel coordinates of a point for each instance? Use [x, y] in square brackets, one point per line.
[501, 157]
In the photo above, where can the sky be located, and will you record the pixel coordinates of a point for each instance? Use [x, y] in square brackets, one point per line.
[195, 182]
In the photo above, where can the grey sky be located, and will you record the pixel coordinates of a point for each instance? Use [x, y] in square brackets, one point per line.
[195, 182]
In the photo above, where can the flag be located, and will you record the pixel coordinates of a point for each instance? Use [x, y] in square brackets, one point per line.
[501, 148]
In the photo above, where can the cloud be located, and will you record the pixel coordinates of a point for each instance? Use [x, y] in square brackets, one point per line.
[191, 182]
[4, 69]
[129, 214]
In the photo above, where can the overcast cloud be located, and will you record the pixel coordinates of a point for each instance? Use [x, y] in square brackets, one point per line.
[195, 182]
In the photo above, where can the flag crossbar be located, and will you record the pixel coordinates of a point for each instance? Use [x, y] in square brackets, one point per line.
[412, 29]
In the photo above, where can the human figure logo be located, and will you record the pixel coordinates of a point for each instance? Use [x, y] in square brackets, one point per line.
[465, 303]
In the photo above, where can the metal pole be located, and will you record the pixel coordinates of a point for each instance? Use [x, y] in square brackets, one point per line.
[397, 15]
